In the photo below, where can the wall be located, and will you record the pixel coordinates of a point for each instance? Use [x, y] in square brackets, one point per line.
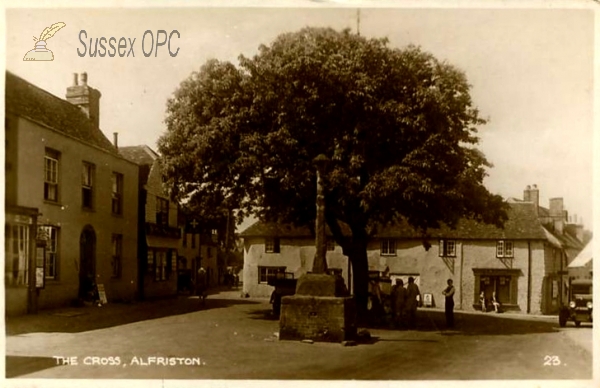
[152, 287]
[412, 259]
[68, 215]
[297, 255]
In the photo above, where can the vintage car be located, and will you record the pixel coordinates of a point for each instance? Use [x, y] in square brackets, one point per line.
[579, 308]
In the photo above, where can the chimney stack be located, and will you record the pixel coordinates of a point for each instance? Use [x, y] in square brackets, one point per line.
[557, 214]
[116, 139]
[527, 194]
[85, 97]
[532, 194]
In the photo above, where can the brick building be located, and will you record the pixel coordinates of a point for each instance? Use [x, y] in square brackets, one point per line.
[68, 187]
[521, 263]
[159, 236]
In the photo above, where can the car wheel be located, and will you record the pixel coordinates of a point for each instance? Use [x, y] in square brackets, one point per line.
[562, 320]
[577, 323]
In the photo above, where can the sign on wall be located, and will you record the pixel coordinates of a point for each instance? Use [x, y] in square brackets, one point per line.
[40, 266]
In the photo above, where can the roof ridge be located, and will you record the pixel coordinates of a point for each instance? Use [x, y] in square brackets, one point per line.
[62, 100]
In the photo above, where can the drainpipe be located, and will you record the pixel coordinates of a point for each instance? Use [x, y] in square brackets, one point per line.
[460, 280]
[528, 277]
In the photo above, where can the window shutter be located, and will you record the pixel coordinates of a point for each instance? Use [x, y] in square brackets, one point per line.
[441, 248]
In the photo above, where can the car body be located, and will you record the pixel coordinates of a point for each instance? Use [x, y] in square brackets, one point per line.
[580, 305]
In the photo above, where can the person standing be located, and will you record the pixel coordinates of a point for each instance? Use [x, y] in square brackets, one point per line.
[482, 302]
[495, 303]
[398, 302]
[413, 298]
[201, 286]
[449, 305]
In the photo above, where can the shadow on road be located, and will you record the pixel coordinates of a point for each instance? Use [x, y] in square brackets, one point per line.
[263, 314]
[474, 324]
[18, 366]
[75, 320]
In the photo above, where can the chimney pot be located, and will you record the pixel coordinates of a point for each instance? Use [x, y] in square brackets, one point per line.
[85, 97]
[116, 139]
[75, 79]
[534, 196]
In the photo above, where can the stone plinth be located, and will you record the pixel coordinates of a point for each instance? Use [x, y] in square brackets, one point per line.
[319, 318]
[320, 310]
[313, 284]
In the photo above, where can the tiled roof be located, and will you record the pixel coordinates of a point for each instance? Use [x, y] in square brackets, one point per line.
[27, 100]
[584, 257]
[522, 224]
[140, 155]
[262, 229]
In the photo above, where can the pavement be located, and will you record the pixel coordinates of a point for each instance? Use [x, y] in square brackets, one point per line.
[236, 338]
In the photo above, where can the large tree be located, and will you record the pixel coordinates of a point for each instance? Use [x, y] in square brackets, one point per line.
[398, 126]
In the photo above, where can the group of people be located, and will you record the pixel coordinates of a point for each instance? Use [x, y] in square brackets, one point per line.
[405, 302]
[485, 303]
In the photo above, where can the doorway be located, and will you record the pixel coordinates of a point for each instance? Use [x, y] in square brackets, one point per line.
[87, 264]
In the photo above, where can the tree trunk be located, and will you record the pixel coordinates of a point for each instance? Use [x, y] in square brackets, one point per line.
[360, 275]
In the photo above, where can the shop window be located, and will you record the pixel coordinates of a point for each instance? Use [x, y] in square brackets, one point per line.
[16, 254]
[505, 287]
[162, 262]
[266, 273]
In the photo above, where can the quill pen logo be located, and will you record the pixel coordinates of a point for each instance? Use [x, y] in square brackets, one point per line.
[40, 52]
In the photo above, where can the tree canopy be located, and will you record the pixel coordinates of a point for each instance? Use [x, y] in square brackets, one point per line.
[398, 126]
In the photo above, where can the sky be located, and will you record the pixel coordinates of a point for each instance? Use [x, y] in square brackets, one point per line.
[531, 72]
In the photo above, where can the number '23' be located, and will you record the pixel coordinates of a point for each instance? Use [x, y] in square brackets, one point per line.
[551, 361]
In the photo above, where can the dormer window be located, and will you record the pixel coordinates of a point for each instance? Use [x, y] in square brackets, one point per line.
[447, 248]
[388, 247]
[504, 248]
[272, 245]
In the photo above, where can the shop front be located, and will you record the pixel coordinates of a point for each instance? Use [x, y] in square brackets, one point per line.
[20, 267]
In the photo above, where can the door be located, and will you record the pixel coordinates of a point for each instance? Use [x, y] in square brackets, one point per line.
[87, 263]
